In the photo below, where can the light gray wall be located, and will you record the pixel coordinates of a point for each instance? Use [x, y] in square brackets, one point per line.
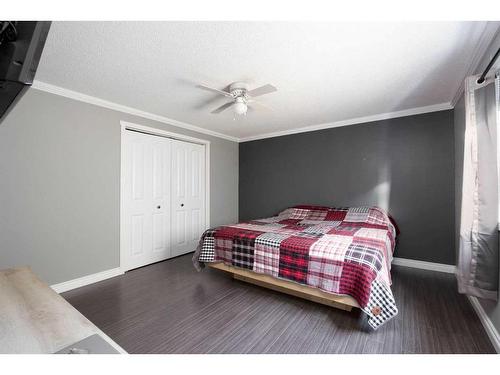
[60, 185]
[404, 164]
[492, 308]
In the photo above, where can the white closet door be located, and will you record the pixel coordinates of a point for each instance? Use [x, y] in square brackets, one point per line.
[188, 196]
[146, 199]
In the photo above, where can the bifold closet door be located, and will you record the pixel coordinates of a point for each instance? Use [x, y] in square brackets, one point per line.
[188, 196]
[146, 199]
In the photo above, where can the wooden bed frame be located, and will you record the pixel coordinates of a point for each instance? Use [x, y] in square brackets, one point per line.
[288, 287]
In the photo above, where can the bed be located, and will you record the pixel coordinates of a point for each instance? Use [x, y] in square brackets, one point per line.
[339, 256]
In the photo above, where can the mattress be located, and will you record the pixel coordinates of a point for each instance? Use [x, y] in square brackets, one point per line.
[340, 250]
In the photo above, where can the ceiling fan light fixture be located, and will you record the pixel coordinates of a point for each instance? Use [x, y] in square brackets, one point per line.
[240, 97]
[240, 106]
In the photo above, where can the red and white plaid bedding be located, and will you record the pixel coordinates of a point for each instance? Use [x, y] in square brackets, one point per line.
[344, 251]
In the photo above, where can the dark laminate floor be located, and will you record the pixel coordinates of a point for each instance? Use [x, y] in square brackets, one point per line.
[168, 307]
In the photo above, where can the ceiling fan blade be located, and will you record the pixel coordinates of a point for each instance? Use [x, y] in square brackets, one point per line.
[261, 105]
[204, 87]
[222, 108]
[266, 89]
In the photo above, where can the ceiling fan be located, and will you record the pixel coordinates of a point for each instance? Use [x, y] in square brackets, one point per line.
[240, 96]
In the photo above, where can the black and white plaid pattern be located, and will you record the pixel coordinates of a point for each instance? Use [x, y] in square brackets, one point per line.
[362, 254]
[381, 306]
[271, 239]
[243, 253]
[321, 227]
[207, 253]
[267, 253]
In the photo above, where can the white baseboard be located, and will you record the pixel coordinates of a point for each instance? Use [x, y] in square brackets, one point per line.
[447, 268]
[86, 280]
[487, 323]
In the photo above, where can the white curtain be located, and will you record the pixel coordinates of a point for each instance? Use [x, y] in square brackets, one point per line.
[477, 271]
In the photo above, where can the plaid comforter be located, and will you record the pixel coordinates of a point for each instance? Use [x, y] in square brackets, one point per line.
[345, 251]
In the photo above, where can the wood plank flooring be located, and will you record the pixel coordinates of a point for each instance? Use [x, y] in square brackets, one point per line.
[169, 307]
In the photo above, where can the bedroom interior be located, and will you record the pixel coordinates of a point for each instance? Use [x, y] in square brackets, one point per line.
[249, 187]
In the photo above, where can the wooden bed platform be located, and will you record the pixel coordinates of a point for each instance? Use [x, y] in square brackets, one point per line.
[288, 287]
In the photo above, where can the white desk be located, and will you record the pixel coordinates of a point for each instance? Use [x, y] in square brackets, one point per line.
[35, 319]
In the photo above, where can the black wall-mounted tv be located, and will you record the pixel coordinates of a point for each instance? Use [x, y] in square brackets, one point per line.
[21, 45]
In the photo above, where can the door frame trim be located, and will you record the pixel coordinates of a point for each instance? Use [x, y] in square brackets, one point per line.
[124, 126]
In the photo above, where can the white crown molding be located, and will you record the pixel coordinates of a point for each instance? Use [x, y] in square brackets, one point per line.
[56, 90]
[488, 325]
[353, 121]
[412, 263]
[86, 280]
[47, 87]
[487, 36]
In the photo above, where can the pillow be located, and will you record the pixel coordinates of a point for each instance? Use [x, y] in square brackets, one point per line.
[370, 215]
[305, 212]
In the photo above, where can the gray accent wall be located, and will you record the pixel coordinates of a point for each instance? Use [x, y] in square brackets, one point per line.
[405, 165]
[60, 185]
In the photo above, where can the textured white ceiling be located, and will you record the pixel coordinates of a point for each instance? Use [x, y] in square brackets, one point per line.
[324, 72]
